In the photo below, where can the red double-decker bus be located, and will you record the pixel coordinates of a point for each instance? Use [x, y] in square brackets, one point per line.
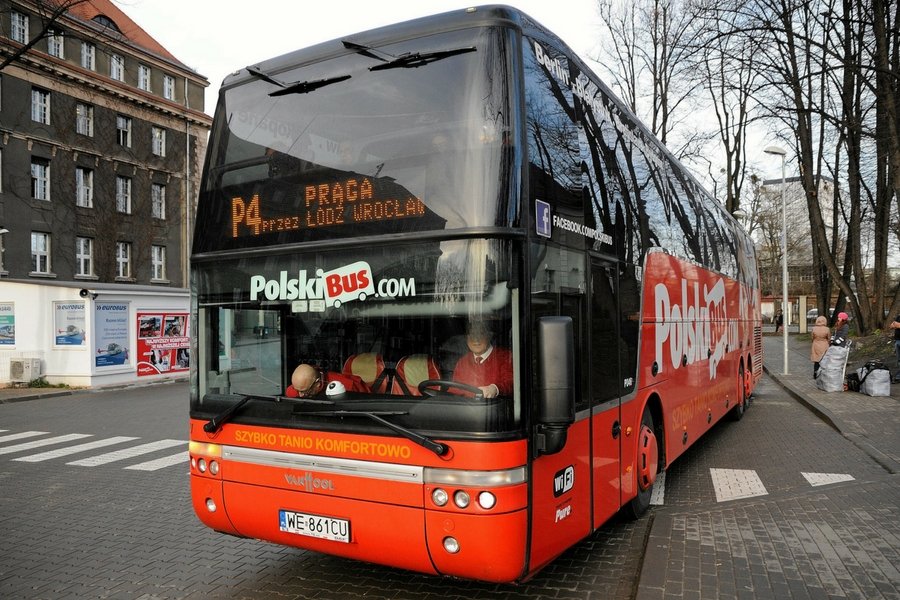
[370, 201]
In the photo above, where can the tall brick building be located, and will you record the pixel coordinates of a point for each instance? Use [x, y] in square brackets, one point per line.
[102, 135]
[102, 139]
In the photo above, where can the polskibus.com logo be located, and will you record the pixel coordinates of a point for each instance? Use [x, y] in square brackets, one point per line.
[348, 283]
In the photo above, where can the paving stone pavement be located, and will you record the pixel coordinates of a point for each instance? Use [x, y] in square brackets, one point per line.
[842, 541]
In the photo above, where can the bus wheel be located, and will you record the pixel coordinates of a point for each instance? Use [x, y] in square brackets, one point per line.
[737, 413]
[647, 466]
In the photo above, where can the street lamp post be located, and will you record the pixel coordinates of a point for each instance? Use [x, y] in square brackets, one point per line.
[784, 261]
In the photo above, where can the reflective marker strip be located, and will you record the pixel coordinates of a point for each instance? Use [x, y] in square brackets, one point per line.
[46, 442]
[181, 458]
[74, 449]
[733, 484]
[109, 457]
[816, 479]
[19, 436]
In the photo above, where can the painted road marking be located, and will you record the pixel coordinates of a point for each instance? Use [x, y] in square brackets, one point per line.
[160, 463]
[102, 459]
[734, 484]
[19, 436]
[817, 479]
[51, 454]
[45, 442]
[658, 497]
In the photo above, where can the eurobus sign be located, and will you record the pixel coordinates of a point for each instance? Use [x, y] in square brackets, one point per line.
[350, 282]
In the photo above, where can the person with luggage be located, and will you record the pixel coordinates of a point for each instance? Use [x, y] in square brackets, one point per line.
[821, 336]
[841, 335]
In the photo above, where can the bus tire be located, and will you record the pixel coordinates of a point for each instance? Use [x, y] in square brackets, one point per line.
[737, 413]
[646, 466]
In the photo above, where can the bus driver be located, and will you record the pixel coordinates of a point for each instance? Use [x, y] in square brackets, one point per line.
[485, 366]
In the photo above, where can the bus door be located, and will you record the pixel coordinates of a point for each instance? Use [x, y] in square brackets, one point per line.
[561, 482]
[604, 378]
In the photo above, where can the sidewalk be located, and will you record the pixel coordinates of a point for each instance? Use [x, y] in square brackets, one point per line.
[21, 394]
[838, 541]
[872, 423]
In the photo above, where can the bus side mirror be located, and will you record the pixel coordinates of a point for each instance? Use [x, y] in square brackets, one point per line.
[556, 383]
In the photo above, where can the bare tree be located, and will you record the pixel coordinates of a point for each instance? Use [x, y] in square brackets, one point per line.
[647, 40]
[824, 75]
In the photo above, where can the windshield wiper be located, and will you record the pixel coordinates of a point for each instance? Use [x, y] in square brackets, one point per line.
[420, 59]
[436, 447]
[214, 424]
[404, 61]
[297, 87]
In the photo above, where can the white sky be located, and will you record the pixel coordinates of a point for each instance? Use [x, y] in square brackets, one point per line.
[216, 37]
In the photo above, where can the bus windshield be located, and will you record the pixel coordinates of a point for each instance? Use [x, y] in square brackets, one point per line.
[386, 318]
[408, 136]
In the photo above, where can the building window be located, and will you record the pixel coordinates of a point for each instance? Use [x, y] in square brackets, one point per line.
[123, 194]
[19, 27]
[117, 67]
[123, 260]
[40, 179]
[56, 43]
[40, 253]
[158, 259]
[123, 131]
[168, 87]
[40, 106]
[84, 255]
[84, 119]
[88, 52]
[158, 198]
[144, 77]
[84, 187]
[159, 141]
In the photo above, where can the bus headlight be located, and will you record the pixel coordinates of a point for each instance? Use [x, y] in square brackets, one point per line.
[439, 497]
[201, 465]
[451, 545]
[461, 498]
[214, 467]
[487, 500]
[211, 505]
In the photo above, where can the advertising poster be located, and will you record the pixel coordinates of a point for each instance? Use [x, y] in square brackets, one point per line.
[7, 324]
[111, 334]
[163, 343]
[68, 321]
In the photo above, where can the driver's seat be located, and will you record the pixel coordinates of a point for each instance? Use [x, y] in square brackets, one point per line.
[413, 370]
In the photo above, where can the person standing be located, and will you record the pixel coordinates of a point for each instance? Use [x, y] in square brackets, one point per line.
[821, 336]
[841, 330]
[779, 321]
[895, 325]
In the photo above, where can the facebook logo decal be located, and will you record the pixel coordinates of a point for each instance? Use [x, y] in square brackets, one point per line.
[542, 220]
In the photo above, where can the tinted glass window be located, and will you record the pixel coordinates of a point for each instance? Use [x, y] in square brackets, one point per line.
[358, 145]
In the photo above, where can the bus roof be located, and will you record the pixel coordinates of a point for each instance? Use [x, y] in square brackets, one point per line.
[476, 16]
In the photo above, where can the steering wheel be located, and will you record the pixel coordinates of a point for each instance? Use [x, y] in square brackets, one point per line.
[431, 387]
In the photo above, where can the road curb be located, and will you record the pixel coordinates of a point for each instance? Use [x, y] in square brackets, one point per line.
[860, 441]
[35, 396]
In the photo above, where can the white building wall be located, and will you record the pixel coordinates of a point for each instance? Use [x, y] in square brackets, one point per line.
[34, 308]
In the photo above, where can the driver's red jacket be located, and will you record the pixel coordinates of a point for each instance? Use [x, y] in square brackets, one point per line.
[496, 369]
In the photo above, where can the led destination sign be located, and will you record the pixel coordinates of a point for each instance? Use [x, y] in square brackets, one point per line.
[343, 202]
